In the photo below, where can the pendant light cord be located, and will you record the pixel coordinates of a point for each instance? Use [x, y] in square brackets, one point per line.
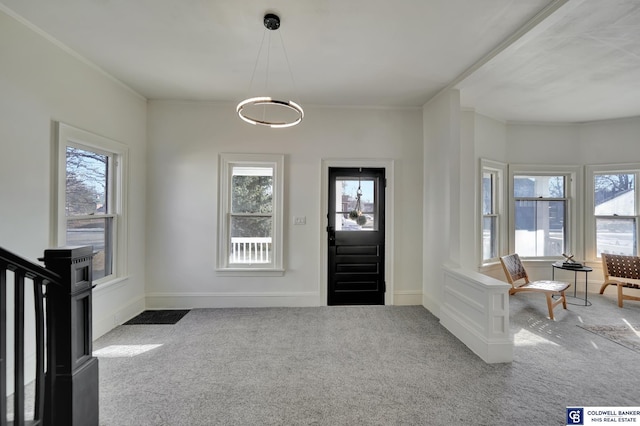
[255, 66]
[286, 57]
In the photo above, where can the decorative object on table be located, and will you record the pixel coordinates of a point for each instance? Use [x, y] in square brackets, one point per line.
[258, 106]
[575, 269]
[569, 262]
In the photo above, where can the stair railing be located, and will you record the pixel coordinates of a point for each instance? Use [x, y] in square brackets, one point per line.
[66, 376]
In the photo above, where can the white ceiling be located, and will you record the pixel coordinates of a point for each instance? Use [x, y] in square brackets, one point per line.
[579, 62]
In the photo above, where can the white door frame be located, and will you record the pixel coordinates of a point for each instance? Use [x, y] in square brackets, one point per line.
[389, 222]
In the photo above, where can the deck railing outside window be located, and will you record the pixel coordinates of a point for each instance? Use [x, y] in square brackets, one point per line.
[250, 250]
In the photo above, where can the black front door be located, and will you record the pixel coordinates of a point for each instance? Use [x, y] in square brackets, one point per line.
[355, 234]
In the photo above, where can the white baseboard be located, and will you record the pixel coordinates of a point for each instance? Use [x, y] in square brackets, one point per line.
[108, 322]
[230, 300]
[431, 305]
[490, 351]
[407, 298]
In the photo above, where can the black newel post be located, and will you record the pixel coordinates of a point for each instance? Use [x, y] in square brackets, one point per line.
[72, 386]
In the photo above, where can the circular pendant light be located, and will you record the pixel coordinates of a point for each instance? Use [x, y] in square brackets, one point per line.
[268, 102]
[246, 110]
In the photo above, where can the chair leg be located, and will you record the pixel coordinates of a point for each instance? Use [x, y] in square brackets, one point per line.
[619, 295]
[564, 300]
[602, 287]
[550, 305]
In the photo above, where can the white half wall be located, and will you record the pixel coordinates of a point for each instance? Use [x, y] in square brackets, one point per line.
[475, 308]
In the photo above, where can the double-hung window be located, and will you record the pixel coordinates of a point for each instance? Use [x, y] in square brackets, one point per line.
[543, 222]
[89, 198]
[612, 200]
[250, 213]
[492, 207]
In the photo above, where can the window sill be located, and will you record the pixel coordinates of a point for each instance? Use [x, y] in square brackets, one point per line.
[250, 272]
[111, 283]
[489, 265]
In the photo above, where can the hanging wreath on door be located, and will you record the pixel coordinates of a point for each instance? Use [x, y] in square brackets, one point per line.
[356, 213]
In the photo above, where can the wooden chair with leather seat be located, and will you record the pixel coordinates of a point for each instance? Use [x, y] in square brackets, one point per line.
[514, 270]
[623, 272]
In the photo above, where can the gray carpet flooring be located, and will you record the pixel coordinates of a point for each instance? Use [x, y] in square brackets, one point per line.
[393, 365]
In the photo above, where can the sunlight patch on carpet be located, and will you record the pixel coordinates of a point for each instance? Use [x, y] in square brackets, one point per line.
[123, 351]
[524, 337]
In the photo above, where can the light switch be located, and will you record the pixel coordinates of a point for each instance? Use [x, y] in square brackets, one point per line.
[299, 220]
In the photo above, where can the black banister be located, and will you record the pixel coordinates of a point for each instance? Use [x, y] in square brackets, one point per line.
[66, 386]
[31, 270]
[73, 384]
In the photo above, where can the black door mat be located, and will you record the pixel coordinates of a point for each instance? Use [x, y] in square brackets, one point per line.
[158, 317]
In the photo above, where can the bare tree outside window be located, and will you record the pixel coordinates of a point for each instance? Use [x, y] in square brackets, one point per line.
[86, 182]
[615, 212]
[86, 206]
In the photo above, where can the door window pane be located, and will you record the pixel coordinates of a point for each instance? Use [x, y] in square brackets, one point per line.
[352, 215]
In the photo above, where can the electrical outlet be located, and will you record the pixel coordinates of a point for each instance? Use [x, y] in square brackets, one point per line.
[299, 220]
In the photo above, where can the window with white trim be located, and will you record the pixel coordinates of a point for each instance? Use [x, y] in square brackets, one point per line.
[493, 226]
[612, 206]
[89, 202]
[542, 221]
[250, 216]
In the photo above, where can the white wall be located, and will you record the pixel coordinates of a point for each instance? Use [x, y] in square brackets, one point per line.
[543, 144]
[184, 142]
[441, 195]
[611, 141]
[469, 196]
[41, 83]
[490, 138]
[599, 142]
